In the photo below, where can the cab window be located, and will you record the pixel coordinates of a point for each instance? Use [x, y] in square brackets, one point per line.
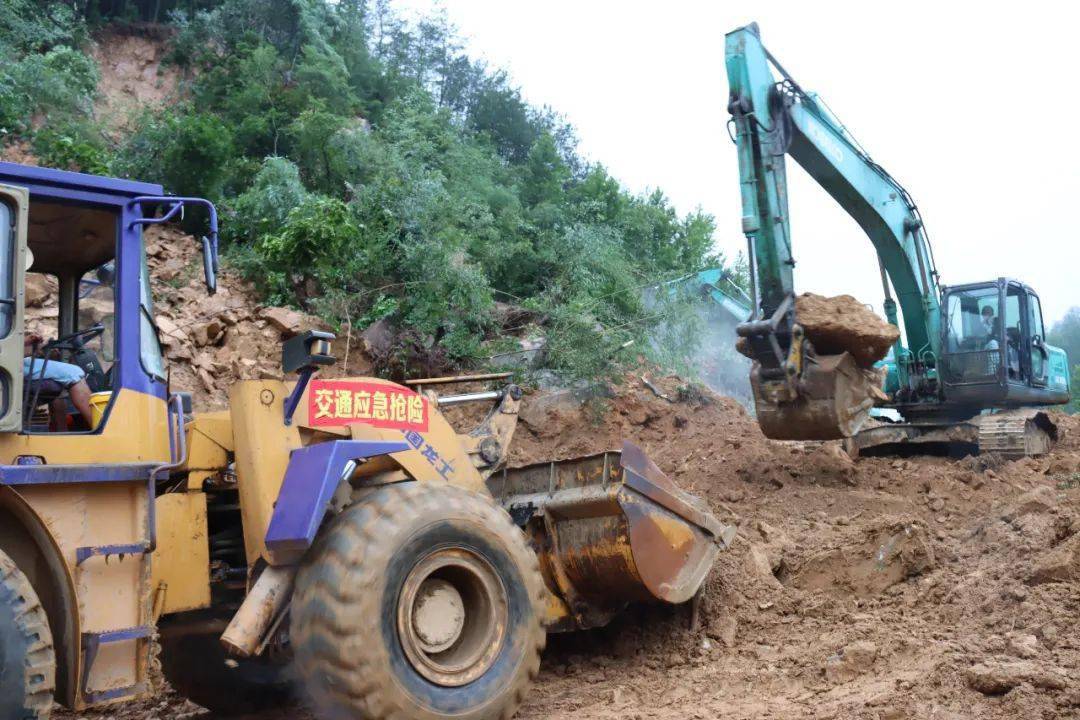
[1035, 310]
[7, 269]
[974, 321]
[149, 346]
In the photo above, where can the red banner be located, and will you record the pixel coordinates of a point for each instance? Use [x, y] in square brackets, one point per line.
[341, 402]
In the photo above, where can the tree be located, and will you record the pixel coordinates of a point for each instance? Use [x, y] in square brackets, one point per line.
[1066, 334]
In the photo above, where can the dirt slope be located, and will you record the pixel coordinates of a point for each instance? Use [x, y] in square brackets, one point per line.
[870, 589]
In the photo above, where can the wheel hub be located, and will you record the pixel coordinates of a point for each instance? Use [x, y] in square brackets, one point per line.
[438, 615]
[452, 615]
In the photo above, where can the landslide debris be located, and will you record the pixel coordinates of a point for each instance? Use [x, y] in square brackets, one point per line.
[842, 323]
[871, 588]
[211, 341]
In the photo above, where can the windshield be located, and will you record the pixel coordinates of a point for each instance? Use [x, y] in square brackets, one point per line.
[974, 320]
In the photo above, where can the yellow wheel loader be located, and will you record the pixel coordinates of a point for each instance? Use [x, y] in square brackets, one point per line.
[341, 527]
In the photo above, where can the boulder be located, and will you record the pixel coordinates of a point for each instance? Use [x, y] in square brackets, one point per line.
[1061, 564]
[838, 324]
[289, 322]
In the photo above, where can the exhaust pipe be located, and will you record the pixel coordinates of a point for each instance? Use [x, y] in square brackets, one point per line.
[259, 611]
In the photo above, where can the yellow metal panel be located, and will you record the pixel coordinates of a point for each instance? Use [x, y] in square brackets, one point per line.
[209, 441]
[263, 444]
[217, 426]
[135, 431]
[182, 558]
[113, 594]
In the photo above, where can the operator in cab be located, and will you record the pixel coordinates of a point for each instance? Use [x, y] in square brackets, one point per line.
[65, 375]
[989, 322]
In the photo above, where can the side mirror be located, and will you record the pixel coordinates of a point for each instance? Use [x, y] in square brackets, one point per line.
[209, 259]
[307, 351]
[304, 354]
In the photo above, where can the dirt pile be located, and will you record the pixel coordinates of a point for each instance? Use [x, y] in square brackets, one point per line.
[836, 324]
[877, 588]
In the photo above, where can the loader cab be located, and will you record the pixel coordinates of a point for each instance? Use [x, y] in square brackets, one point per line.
[994, 347]
[79, 289]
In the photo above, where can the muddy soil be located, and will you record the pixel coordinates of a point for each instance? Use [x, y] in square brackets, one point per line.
[876, 588]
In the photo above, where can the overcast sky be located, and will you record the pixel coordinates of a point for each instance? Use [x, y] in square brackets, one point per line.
[973, 109]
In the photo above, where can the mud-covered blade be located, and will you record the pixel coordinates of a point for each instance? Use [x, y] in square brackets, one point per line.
[612, 528]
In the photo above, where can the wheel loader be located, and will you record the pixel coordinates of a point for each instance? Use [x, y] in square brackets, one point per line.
[335, 533]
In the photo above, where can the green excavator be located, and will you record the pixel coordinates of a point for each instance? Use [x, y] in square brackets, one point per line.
[971, 372]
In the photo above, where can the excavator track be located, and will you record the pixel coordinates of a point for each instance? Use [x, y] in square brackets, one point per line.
[1016, 433]
[1011, 434]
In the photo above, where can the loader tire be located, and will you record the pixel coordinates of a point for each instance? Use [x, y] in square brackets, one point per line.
[27, 658]
[422, 601]
[197, 667]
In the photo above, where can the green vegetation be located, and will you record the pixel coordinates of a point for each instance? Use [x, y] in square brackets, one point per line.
[1065, 334]
[368, 170]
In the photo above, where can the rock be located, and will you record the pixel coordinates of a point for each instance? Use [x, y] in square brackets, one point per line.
[723, 628]
[838, 324]
[38, 289]
[170, 269]
[1022, 645]
[171, 334]
[1061, 564]
[207, 381]
[289, 322]
[997, 678]
[208, 333]
[854, 660]
[759, 564]
[378, 338]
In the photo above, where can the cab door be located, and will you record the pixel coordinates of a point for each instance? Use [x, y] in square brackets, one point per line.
[14, 204]
[1036, 346]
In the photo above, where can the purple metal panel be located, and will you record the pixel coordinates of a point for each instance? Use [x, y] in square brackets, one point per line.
[131, 373]
[310, 481]
[62, 184]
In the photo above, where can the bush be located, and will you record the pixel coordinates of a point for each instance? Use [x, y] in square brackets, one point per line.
[59, 83]
[72, 146]
[186, 151]
[263, 208]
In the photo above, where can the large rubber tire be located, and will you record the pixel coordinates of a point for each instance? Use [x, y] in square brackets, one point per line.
[195, 664]
[27, 658]
[349, 652]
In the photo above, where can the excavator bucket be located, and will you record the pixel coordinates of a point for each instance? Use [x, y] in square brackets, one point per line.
[833, 400]
[610, 529]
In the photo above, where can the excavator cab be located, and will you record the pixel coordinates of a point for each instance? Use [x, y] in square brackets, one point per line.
[994, 348]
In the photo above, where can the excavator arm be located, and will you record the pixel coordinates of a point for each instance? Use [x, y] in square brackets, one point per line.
[801, 394]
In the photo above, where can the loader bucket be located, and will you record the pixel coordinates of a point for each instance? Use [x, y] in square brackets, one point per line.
[833, 401]
[609, 529]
